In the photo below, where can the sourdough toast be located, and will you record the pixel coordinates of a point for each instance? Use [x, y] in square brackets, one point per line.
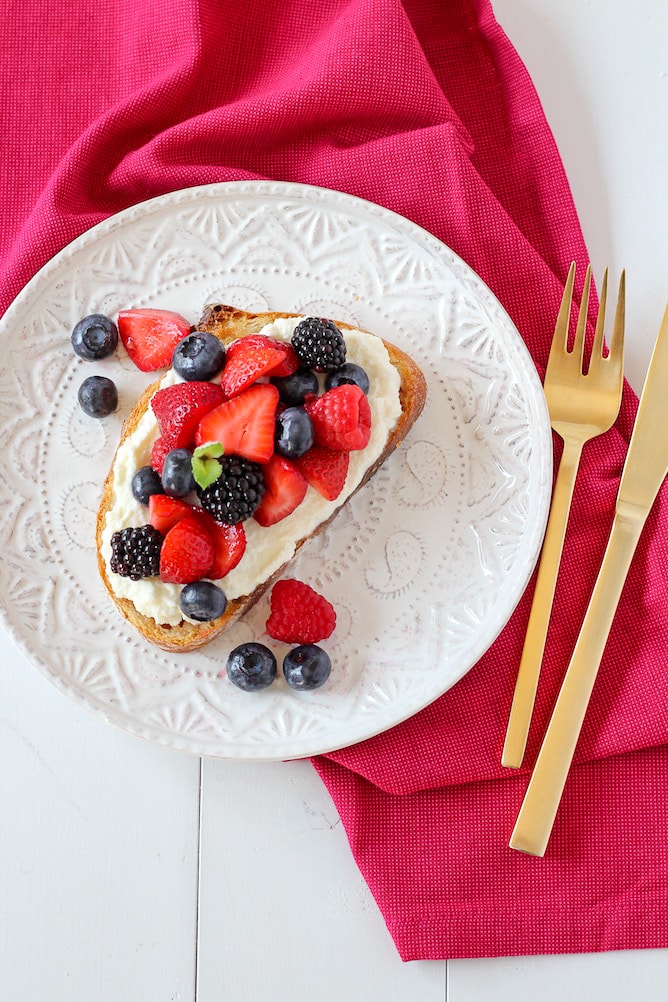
[229, 324]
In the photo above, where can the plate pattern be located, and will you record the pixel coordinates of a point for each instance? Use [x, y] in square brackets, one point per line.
[424, 565]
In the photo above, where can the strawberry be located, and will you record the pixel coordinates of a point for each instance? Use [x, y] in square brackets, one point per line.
[285, 490]
[164, 512]
[325, 469]
[229, 542]
[179, 409]
[187, 552]
[150, 336]
[160, 448]
[341, 418]
[290, 361]
[247, 359]
[299, 615]
[244, 425]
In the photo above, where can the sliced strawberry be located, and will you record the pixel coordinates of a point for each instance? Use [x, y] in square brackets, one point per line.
[164, 512]
[341, 418]
[187, 552]
[290, 361]
[244, 425]
[325, 469]
[180, 408]
[150, 336]
[161, 447]
[229, 543]
[247, 359]
[285, 490]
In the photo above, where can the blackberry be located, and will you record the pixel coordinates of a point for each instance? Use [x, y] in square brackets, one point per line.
[319, 344]
[135, 552]
[237, 492]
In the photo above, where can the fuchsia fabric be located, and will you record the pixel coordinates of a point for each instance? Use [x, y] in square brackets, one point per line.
[424, 107]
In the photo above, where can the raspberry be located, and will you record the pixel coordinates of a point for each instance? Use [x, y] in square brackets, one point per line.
[341, 418]
[299, 615]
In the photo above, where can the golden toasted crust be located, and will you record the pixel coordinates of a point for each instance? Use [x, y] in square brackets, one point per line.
[229, 324]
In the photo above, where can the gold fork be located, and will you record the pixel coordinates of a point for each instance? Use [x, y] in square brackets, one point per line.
[582, 405]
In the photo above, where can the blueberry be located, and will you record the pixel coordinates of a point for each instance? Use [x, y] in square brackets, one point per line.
[98, 396]
[177, 473]
[202, 601]
[306, 667]
[294, 432]
[145, 482]
[251, 667]
[199, 356]
[95, 337]
[294, 389]
[348, 373]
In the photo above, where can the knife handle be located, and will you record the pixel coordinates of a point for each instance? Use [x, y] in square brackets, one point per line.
[541, 801]
[526, 685]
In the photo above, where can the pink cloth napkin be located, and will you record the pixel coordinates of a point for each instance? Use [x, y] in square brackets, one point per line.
[424, 107]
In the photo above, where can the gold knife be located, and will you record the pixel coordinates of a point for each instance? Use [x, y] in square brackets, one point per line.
[644, 471]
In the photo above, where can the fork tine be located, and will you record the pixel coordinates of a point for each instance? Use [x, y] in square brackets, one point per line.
[560, 339]
[617, 340]
[578, 344]
[597, 347]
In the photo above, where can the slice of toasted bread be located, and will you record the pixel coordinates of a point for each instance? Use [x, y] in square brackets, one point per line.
[229, 324]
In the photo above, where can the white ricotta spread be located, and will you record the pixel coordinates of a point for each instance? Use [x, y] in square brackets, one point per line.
[267, 548]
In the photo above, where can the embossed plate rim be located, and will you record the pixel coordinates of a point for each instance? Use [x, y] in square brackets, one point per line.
[334, 202]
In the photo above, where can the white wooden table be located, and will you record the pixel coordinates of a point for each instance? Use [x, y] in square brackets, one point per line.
[130, 872]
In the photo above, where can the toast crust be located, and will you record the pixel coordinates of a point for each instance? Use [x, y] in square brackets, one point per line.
[228, 324]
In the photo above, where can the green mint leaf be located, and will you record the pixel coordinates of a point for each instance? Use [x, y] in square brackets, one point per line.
[205, 465]
[210, 450]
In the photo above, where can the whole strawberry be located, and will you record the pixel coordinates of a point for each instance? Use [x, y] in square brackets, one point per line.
[299, 615]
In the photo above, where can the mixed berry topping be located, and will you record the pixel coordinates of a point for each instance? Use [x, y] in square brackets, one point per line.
[319, 344]
[135, 552]
[248, 430]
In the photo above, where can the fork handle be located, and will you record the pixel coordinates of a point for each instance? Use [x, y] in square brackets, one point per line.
[541, 608]
[541, 801]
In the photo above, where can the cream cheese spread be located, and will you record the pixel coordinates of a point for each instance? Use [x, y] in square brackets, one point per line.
[268, 548]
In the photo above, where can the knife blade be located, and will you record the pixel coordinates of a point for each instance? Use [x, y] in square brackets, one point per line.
[644, 471]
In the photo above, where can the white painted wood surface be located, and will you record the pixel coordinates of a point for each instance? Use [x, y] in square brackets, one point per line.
[130, 872]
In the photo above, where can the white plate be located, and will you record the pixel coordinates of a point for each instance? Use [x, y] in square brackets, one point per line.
[424, 566]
